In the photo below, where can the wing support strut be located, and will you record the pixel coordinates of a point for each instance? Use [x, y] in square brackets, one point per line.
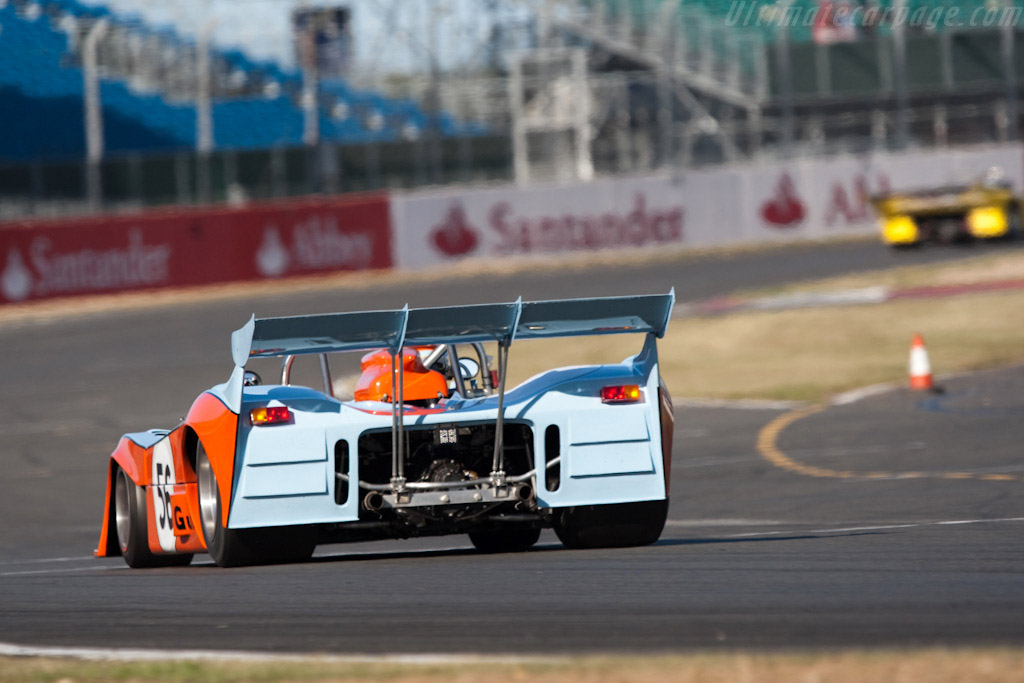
[498, 468]
[398, 406]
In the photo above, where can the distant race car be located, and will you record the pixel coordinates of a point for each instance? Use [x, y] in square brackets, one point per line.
[431, 444]
[985, 210]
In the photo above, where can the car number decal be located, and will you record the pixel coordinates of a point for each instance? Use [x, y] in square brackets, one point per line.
[162, 480]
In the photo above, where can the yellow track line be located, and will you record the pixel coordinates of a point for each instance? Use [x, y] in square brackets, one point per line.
[767, 445]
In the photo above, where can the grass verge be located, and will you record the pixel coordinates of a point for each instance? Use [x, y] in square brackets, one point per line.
[980, 665]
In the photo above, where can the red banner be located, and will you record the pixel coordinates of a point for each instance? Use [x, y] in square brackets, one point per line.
[44, 259]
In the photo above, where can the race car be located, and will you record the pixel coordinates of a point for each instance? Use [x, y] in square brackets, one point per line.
[430, 444]
[985, 210]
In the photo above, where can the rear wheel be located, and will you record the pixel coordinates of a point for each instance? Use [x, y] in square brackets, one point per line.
[225, 546]
[238, 547]
[611, 526]
[131, 525]
[510, 538]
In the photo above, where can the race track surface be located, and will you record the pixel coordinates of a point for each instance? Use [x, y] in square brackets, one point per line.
[896, 520]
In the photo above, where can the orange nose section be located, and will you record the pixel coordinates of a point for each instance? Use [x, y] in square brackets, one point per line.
[421, 384]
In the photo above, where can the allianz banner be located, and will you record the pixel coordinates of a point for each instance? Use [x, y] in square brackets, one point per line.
[55, 258]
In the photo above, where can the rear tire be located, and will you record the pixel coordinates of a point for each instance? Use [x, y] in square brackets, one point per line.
[611, 526]
[131, 526]
[240, 547]
[507, 538]
[225, 546]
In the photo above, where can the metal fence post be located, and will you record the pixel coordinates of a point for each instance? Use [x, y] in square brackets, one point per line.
[1009, 70]
[785, 74]
[899, 52]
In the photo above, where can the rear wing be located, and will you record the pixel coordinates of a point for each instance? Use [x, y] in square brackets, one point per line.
[503, 323]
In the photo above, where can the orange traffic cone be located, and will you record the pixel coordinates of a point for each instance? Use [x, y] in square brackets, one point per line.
[920, 366]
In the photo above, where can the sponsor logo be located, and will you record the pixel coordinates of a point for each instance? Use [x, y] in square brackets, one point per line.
[454, 236]
[637, 227]
[16, 281]
[853, 205]
[317, 243]
[49, 271]
[272, 256]
[785, 209]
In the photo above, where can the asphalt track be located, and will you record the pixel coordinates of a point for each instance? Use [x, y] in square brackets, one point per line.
[895, 520]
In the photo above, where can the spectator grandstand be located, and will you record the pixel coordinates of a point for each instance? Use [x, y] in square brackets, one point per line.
[148, 91]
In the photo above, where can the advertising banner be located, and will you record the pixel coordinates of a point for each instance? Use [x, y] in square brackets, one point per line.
[432, 228]
[824, 197]
[44, 259]
[748, 203]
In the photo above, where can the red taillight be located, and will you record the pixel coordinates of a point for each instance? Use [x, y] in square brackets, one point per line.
[624, 393]
[271, 415]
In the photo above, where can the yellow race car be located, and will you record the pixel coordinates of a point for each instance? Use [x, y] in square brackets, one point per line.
[985, 210]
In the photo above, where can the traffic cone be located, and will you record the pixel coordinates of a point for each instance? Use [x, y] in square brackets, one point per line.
[920, 366]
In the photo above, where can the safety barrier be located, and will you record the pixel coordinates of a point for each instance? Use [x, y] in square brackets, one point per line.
[44, 259]
[742, 204]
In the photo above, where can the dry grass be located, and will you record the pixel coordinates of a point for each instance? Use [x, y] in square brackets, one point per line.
[935, 666]
[807, 354]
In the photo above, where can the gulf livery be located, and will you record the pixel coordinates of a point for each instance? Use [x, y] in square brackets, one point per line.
[432, 443]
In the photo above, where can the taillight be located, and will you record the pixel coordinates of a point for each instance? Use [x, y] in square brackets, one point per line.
[271, 415]
[623, 393]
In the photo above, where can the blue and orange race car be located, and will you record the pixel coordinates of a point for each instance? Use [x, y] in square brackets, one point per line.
[431, 444]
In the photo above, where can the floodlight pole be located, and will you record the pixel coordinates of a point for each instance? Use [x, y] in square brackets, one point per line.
[310, 86]
[204, 111]
[93, 115]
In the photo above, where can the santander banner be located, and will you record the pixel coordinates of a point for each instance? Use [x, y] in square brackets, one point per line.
[45, 259]
[436, 227]
[732, 205]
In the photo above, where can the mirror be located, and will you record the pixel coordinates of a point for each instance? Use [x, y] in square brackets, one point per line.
[251, 379]
[468, 367]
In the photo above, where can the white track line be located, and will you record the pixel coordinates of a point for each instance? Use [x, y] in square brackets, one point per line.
[725, 522]
[46, 560]
[63, 570]
[138, 654]
[855, 395]
[846, 529]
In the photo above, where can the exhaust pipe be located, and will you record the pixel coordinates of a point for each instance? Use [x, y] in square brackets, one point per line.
[373, 501]
[523, 492]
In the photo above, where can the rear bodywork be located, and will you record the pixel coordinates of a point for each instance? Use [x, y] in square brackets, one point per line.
[948, 214]
[387, 466]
